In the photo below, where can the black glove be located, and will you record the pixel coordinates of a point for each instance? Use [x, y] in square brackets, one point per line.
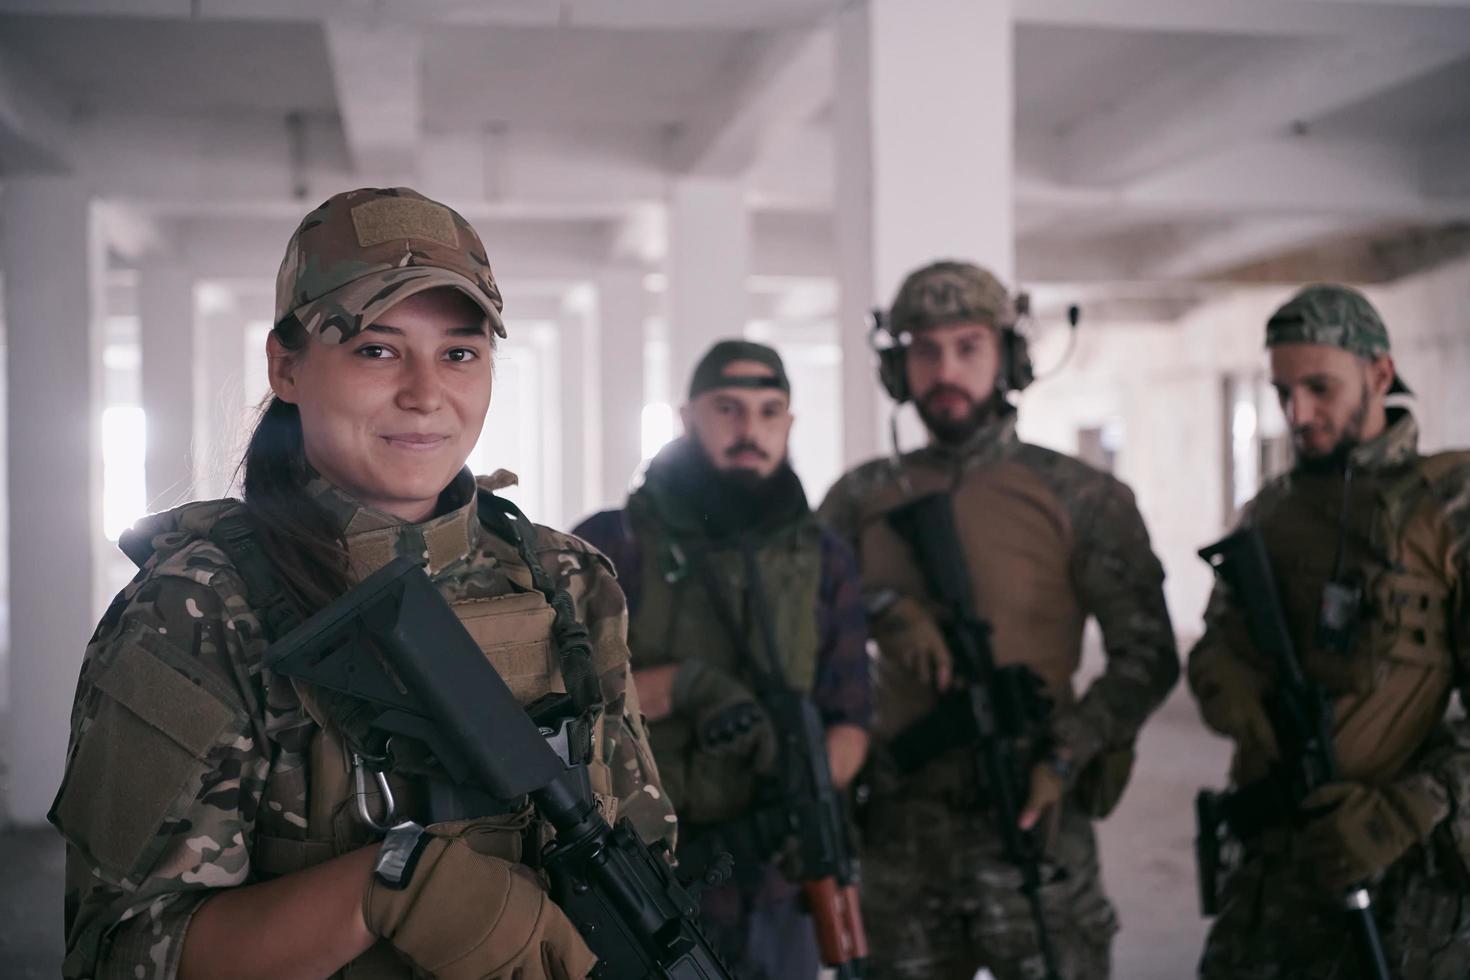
[727, 718]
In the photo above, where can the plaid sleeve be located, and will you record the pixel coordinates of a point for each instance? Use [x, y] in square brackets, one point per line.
[843, 690]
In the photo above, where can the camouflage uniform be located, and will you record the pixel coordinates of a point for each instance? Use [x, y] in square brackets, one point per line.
[191, 767]
[1401, 530]
[182, 802]
[1048, 543]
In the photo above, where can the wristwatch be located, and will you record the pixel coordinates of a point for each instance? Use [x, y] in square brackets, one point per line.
[399, 853]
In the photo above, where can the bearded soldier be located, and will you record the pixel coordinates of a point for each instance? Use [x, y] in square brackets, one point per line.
[1047, 542]
[1369, 545]
[734, 590]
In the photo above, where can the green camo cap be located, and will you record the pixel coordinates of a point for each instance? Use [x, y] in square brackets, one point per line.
[1332, 316]
[710, 372]
[363, 251]
[950, 292]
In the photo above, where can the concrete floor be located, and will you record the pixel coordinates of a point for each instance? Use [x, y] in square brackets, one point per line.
[1147, 863]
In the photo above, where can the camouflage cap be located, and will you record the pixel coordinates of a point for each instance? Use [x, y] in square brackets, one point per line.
[1332, 316]
[363, 251]
[950, 292]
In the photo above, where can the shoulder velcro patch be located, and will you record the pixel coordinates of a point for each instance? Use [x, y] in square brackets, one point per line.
[142, 755]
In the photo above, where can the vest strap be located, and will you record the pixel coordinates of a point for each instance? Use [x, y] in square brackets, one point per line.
[278, 612]
[278, 855]
[573, 643]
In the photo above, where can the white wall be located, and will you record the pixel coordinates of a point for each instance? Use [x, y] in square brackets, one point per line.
[1163, 381]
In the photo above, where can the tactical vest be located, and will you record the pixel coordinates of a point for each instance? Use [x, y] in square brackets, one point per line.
[516, 632]
[676, 620]
[1018, 546]
[1391, 683]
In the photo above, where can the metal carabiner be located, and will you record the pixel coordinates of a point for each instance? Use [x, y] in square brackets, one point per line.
[390, 805]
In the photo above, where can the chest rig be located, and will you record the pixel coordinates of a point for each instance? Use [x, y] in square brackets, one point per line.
[677, 619]
[1361, 561]
[350, 789]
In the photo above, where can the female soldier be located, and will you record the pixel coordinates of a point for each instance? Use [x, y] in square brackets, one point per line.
[208, 805]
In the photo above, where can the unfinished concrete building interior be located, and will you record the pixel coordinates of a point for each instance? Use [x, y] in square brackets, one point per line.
[651, 175]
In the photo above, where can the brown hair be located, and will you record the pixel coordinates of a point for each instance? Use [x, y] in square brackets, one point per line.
[295, 532]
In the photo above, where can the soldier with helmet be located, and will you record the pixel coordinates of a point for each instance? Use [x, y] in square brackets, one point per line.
[1369, 545]
[221, 819]
[1048, 542]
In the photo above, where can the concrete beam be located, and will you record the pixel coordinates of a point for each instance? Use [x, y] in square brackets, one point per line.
[1219, 103]
[628, 14]
[1444, 19]
[1278, 18]
[1446, 168]
[782, 88]
[33, 121]
[376, 68]
[1290, 176]
[1245, 241]
[191, 166]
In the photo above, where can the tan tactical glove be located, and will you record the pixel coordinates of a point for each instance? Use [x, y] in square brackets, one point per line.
[727, 718]
[1230, 695]
[1355, 831]
[464, 915]
[908, 637]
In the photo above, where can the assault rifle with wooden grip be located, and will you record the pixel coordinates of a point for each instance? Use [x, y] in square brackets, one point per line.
[397, 649]
[798, 812]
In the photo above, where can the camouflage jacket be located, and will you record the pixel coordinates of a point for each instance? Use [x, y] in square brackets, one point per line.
[190, 745]
[1401, 530]
[1049, 541]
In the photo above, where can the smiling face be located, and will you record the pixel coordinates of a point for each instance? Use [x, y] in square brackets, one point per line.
[1333, 399]
[742, 429]
[391, 415]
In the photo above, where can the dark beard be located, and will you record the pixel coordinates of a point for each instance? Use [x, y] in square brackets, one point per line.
[1335, 460]
[953, 432]
[742, 500]
[731, 502]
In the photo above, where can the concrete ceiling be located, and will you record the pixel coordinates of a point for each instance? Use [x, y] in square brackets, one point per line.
[1155, 139]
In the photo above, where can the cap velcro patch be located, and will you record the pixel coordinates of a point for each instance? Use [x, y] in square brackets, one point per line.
[387, 218]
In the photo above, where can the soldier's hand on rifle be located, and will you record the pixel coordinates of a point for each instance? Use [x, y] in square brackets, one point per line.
[908, 636]
[727, 718]
[464, 915]
[1354, 830]
[1044, 801]
[1231, 701]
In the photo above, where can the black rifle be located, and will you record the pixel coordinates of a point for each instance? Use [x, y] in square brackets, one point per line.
[797, 811]
[1301, 718]
[999, 711]
[397, 648]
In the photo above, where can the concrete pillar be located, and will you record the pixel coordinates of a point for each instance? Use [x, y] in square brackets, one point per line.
[709, 254]
[622, 309]
[53, 262]
[924, 120]
[222, 420]
[166, 318]
[577, 395]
